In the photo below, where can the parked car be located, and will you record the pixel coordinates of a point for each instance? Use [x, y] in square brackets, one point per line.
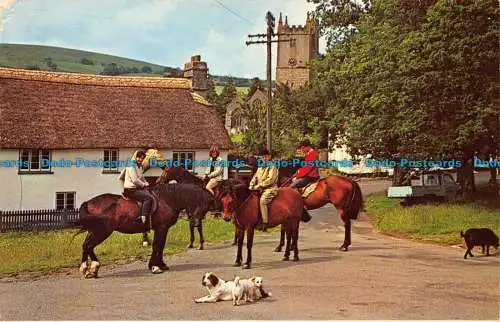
[434, 186]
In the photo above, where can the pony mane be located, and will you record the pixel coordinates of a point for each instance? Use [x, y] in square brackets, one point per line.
[182, 195]
[182, 175]
[241, 191]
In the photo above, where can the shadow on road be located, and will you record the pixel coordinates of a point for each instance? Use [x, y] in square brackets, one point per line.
[278, 264]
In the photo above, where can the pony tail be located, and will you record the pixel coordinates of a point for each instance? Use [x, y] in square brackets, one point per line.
[356, 202]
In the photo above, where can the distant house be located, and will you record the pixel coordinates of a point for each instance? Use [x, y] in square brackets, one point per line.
[70, 117]
[235, 118]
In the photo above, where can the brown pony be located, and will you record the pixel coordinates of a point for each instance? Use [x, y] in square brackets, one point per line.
[102, 215]
[344, 193]
[241, 206]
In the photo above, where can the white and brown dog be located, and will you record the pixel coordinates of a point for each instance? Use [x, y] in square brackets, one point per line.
[218, 289]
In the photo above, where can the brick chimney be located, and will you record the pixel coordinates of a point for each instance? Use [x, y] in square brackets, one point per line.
[197, 71]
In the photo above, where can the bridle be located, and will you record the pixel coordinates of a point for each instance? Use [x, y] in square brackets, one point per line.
[235, 210]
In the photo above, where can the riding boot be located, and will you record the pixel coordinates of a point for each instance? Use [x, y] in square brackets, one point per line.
[264, 212]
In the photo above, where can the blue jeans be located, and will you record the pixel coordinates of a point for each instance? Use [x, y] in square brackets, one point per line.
[302, 182]
[142, 195]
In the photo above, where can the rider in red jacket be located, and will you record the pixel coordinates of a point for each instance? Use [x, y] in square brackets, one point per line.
[308, 173]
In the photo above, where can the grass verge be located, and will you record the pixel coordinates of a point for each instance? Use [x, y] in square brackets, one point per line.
[51, 250]
[438, 223]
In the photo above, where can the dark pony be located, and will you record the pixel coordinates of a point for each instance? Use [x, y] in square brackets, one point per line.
[181, 175]
[241, 206]
[343, 193]
[102, 215]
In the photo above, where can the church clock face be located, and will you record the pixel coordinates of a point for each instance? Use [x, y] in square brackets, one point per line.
[292, 61]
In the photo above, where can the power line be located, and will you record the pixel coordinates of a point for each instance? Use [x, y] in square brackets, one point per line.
[233, 12]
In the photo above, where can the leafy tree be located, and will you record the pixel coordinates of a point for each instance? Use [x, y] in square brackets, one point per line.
[256, 84]
[212, 95]
[86, 61]
[146, 69]
[337, 18]
[226, 96]
[416, 79]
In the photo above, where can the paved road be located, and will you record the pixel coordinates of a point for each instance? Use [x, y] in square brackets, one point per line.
[379, 278]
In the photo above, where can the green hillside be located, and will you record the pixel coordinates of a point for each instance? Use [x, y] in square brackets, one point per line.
[75, 61]
[59, 59]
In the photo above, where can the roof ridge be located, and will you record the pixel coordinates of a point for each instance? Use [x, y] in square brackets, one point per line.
[92, 79]
[200, 99]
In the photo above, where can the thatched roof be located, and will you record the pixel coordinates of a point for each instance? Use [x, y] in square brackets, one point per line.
[79, 111]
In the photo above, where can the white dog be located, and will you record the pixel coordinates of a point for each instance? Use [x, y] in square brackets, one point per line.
[258, 289]
[218, 289]
[243, 290]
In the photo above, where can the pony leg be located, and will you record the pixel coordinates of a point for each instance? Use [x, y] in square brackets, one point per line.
[239, 257]
[85, 254]
[282, 240]
[96, 237]
[248, 263]
[156, 263]
[286, 256]
[347, 230]
[295, 241]
[191, 231]
[235, 241]
[145, 239]
[202, 240]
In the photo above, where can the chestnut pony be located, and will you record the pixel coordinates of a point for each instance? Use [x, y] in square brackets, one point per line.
[241, 206]
[105, 213]
[344, 193]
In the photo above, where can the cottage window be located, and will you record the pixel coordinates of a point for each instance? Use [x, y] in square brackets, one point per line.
[110, 160]
[35, 161]
[65, 200]
[181, 156]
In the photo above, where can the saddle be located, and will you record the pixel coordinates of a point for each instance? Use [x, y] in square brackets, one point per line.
[308, 189]
[139, 203]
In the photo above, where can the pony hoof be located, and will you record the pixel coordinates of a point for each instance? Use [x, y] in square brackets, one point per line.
[277, 249]
[343, 248]
[285, 258]
[164, 267]
[201, 247]
[246, 266]
[156, 270]
[190, 246]
[295, 259]
[83, 269]
[89, 275]
[237, 264]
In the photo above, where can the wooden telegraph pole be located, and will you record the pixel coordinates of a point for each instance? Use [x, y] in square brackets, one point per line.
[269, 40]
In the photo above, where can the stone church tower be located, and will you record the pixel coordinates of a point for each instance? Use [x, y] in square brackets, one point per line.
[293, 55]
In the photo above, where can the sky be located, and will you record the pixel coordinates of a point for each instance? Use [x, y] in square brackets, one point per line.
[164, 32]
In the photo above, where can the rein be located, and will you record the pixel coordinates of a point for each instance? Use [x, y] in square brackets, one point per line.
[237, 208]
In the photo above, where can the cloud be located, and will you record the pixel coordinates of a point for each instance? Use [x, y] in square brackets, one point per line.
[4, 6]
[233, 57]
[165, 32]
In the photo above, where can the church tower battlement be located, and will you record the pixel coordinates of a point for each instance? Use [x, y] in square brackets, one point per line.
[293, 55]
